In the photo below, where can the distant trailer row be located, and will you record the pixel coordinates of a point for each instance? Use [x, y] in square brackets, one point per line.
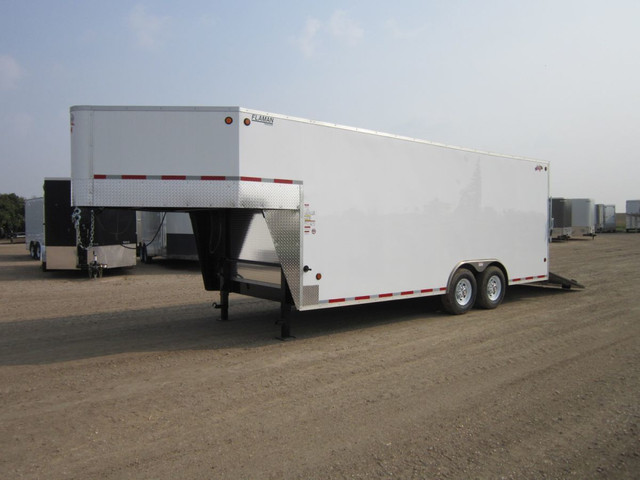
[571, 217]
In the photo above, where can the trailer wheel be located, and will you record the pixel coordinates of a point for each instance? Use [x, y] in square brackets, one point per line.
[461, 292]
[32, 250]
[492, 288]
[38, 251]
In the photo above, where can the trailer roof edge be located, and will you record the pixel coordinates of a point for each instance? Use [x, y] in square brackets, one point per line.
[296, 119]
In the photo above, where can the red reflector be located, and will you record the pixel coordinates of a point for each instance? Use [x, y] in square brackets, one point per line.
[100, 177]
[212, 177]
[337, 300]
[364, 297]
[383, 295]
[279, 180]
[426, 290]
[407, 293]
[250, 179]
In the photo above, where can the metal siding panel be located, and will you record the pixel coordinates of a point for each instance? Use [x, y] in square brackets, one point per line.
[393, 214]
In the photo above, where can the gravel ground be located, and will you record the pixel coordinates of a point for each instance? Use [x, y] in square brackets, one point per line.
[131, 376]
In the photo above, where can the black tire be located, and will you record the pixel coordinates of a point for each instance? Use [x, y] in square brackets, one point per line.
[461, 293]
[38, 250]
[32, 250]
[491, 288]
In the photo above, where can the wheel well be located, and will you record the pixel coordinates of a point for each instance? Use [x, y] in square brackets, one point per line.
[477, 267]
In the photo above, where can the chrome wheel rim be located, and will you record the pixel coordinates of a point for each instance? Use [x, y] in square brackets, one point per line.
[494, 288]
[464, 291]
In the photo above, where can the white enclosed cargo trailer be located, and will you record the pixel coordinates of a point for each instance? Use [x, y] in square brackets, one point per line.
[609, 223]
[633, 216]
[317, 215]
[165, 234]
[561, 218]
[583, 217]
[34, 226]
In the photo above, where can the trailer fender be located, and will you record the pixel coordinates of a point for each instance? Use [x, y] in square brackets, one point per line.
[478, 266]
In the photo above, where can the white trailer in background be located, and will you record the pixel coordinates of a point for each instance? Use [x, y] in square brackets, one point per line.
[609, 219]
[34, 226]
[633, 216]
[165, 234]
[583, 217]
[561, 218]
[317, 215]
[605, 218]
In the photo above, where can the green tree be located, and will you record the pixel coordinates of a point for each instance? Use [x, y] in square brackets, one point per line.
[11, 213]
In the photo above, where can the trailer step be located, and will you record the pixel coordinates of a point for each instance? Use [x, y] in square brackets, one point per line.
[566, 283]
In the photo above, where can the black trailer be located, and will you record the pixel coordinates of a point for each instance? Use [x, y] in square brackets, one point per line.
[87, 239]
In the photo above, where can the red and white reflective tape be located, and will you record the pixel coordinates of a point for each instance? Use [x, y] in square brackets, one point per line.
[386, 295]
[528, 279]
[198, 177]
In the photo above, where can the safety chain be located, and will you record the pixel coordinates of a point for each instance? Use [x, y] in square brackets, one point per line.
[76, 216]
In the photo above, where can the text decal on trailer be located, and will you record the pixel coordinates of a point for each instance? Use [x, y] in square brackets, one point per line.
[262, 119]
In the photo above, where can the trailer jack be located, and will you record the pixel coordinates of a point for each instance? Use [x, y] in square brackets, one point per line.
[232, 282]
[95, 268]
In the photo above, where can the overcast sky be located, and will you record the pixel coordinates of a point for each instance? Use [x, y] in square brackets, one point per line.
[557, 80]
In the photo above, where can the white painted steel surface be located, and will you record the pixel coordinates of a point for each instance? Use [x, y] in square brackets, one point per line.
[381, 216]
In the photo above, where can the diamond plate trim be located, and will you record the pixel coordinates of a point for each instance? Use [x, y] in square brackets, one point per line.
[183, 194]
[284, 226]
[310, 295]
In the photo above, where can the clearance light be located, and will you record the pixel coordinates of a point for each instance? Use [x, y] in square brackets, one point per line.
[228, 120]
[318, 276]
[247, 122]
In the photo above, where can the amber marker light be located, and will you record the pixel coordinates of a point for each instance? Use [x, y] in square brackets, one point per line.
[247, 122]
[228, 120]
[318, 276]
